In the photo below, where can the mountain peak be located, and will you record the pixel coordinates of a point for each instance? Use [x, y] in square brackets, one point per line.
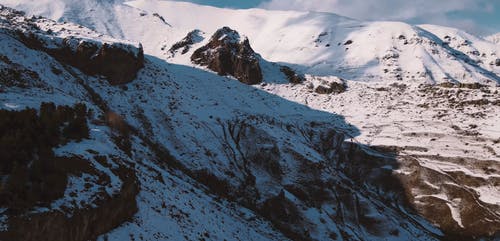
[228, 54]
[227, 35]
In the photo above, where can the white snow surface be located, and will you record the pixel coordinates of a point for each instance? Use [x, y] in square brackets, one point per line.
[386, 65]
[328, 44]
[495, 38]
[314, 43]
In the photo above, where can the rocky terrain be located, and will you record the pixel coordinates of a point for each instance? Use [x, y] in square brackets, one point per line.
[312, 127]
[228, 54]
[82, 48]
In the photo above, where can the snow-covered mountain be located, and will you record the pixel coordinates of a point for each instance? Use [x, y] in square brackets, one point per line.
[495, 38]
[316, 43]
[352, 131]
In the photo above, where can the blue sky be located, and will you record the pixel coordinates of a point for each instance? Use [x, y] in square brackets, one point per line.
[476, 16]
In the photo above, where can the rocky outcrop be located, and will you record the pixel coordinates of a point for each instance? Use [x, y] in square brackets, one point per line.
[335, 184]
[285, 216]
[291, 75]
[119, 62]
[185, 44]
[449, 198]
[83, 224]
[228, 54]
[327, 85]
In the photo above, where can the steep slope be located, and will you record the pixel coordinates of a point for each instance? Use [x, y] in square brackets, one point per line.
[333, 45]
[315, 43]
[108, 167]
[288, 164]
[90, 184]
[212, 130]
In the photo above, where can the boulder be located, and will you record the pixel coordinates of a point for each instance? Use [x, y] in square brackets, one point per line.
[327, 85]
[229, 54]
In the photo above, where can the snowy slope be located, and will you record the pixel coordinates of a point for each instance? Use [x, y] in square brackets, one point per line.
[90, 12]
[333, 45]
[315, 43]
[166, 199]
[194, 114]
[495, 38]
[446, 136]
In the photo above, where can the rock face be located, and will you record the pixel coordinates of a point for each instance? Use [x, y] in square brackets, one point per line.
[466, 216]
[92, 53]
[497, 62]
[118, 62]
[118, 65]
[185, 44]
[291, 75]
[83, 224]
[227, 54]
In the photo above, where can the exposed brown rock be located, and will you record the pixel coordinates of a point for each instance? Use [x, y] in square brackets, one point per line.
[331, 88]
[226, 54]
[186, 43]
[348, 42]
[425, 189]
[118, 62]
[82, 225]
[291, 75]
[285, 216]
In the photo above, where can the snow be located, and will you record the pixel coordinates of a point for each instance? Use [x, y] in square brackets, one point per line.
[319, 49]
[51, 9]
[178, 209]
[3, 220]
[190, 109]
[54, 34]
[489, 194]
[455, 214]
[11, 106]
[420, 55]
[495, 38]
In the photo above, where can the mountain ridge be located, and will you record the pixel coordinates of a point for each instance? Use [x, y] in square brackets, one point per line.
[425, 55]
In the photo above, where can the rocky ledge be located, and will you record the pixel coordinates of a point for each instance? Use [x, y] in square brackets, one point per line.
[91, 53]
[82, 224]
